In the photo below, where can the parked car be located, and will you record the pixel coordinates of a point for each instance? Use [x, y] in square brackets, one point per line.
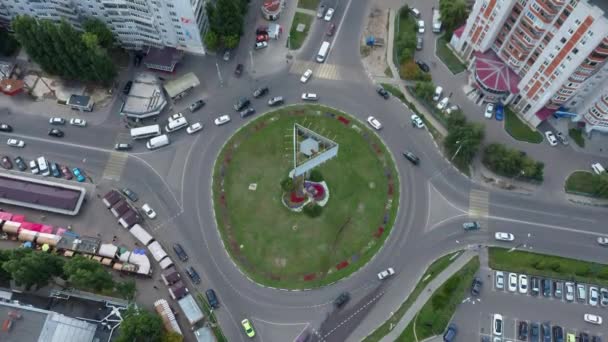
[55, 170]
[423, 66]
[6, 163]
[497, 325]
[78, 122]
[581, 292]
[594, 296]
[248, 328]
[546, 285]
[419, 43]
[342, 299]
[247, 112]
[603, 294]
[551, 138]
[321, 11]
[148, 211]
[5, 128]
[558, 287]
[15, 143]
[534, 286]
[306, 76]
[415, 12]
[450, 333]
[562, 137]
[534, 332]
[226, 56]
[34, 167]
[180, 252]
[500, 112]
[310, 97]
[195, 127]
[546, 331]
[411, 157]
[130, 194]
[523, 284]
[260, 45]
[241, 104]
[598, 168]
[67, 174]
[386, 273]
[175, 117]
[502, 236]
[78, 174]
[382, 92]
[275, 101]
[20, 163]
[329, 14]
[259, 92]
[420, 24]
[122, 147]
[54, 132]
[522, 330]
[198, 104]
[512, 282]
[57, 121]
[558, 334]
[331, 29]
[212, 299]
[476, 286]
[489, 111]
[222, 120]
[443, 103]
[500, 280]
[452, 109]
[262, 37]
[193, 275]
[416, 121]
[372, 121]
[569, 291]
[593, 319]
[238, 70]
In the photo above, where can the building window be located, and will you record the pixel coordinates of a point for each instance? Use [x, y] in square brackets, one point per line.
[563, 40]
[575, 51]
[527, 108]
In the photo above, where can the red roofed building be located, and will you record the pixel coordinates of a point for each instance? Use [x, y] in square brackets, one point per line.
[271, 9]
[494, 79]
[11, 86]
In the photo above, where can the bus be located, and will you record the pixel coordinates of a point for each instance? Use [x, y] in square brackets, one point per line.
[145, 132]
[323, 52]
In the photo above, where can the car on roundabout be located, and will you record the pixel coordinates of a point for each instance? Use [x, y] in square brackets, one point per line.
[275, 101]
[222, 120]
[306, 76]
[411, 157]
[56, 133]
[196, 106]
[472, 225]
[5, 128]
[310, 97]
[259, 92]
[57, 121]
[602, 241]
[342, 299]
[382, 92]
[248, 328]
[502, 236]
[372, 121]
[195, 127]
[417, 121]
[386, 273]
[15, 143]
[78, 122]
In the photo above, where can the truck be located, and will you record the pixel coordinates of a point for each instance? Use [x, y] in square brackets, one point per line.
[436, 20]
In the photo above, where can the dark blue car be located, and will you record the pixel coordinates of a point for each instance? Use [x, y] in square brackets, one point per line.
[500, 111]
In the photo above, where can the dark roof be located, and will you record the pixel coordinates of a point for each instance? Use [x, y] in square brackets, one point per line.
[130, 217]
[21, 191]
[178, 290]
[83, 244]
[121, 207]
[79, 100]
[171, 275]
[166, 57]
[112, 197]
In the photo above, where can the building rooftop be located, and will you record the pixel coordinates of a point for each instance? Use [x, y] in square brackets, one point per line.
[6, 68]
[146, 97]
[163, 59]
[41, 194]
[272, 6]
[458, 31]
[83, 244]
[179, 85]
[79, 100]
[493, 74]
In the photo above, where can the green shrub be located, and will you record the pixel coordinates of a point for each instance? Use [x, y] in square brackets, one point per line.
[287, 185]
[315, 176]
[313, 210]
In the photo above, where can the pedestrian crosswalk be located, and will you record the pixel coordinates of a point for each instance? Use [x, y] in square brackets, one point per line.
[479, 202]
[115, 165]
[324, 70]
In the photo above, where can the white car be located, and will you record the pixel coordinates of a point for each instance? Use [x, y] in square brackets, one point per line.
[489, 111]
[34, 167]
[195, 127]
[374, 123]
[176, 116]
[601, 240]
[597, 168]
[512, 282]
[222, 120]
[260, 45]
[452, 109]
[523, 284]
[57, 121]
[420, 26]
[497, 325]
[310, 97]
[78, 122]
[149, 211]
[569, 291]
[501, 236]
[551, 138]
[417, 121]
[593, 319]
[594, 295]
[386, 273]
[15, 143]
[500, 280]
[306, 76]
[329, 14]
[438, 92]
[443, 103]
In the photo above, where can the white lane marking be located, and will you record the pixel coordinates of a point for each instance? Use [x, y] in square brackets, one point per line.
[543, 212]
[186, 164]
[571, 230]
[306, 324]
[339, 29]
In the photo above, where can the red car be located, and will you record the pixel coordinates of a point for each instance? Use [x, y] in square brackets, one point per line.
[331, 29]
[261, 30]
[261, 38]
[66, 172]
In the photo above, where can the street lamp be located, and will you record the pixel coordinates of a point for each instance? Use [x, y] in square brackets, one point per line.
[458, 149]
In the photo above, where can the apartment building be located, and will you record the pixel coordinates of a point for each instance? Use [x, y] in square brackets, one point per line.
[137, 24]
[555, 50]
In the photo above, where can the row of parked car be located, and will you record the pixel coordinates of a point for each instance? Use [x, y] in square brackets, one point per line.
[43, 167]
[537, 332]
[569, 291]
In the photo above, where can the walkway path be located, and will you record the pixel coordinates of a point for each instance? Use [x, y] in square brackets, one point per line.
[426, 294]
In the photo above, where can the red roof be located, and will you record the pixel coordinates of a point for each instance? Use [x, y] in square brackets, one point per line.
[458, 31]
[494, 74]
[544, 113]
[272, 5]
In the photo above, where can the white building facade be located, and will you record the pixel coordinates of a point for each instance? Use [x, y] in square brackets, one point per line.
[559, 49]
[137, 24]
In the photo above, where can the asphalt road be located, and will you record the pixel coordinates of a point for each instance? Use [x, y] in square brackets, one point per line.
[435, 199]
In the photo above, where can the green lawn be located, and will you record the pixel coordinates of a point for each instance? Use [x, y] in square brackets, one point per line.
[577, 136]
[308, 4]
[519, 130]
[580, 182]
[447, 56]
[277, 247]
[404, 22]
[548, 266]
[436, 267]
[435, 315]
[388, 72]
[297, 38]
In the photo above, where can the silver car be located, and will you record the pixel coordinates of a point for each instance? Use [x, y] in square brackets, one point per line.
[570, 291]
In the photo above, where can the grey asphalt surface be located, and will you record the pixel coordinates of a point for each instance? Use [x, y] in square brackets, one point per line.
[434, 197]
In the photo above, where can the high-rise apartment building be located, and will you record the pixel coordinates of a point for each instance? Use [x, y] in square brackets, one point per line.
[555, 52]
[137, 24]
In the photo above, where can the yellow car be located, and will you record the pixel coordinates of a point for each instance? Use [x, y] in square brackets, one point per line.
[571, 337]
[248, 328]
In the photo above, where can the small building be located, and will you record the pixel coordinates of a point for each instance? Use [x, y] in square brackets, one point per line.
[271, 9]
[204, 334]
[146, 98]
[82, 103]
[10, 86]
[191, 310]
[162, 59]
[178, 290]
[178, 87]
[170, 276]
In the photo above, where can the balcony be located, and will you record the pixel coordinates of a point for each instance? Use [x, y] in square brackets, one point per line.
[602, 50]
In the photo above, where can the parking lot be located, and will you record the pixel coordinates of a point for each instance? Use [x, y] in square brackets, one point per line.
[515, 307]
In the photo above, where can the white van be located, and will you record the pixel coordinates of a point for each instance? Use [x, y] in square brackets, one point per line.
[43, 166]
[174, 125]
[323, 52]
[598, 168]
[158, 142]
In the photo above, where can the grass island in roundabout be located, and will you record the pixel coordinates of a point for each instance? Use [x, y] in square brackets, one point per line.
[311, 230]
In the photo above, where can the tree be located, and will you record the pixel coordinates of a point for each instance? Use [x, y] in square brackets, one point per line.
[96, 27]
[126, 289]
[453, 14]
[463, 139]
[211, 40]
[408, 70]
[140, 325]
[172, 336]
[424, 90]
[5, 256]
[288, 185]
[29, 268]
[8, 43]
[315, 176]
[313, 210]
[231, 41]
[87, 273]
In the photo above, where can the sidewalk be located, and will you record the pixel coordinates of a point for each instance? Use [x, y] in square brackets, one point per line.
[426, 294]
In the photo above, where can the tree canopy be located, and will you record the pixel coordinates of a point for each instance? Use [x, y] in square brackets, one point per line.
[29, 268]
[63, 51]
[8, 43]
[140, 325]
[225, 22]
[98, 28]
[87, 273]
[511, 163]
[463, 139]
[453, 14]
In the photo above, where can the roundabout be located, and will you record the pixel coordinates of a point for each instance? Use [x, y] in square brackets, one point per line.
[356, 193]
